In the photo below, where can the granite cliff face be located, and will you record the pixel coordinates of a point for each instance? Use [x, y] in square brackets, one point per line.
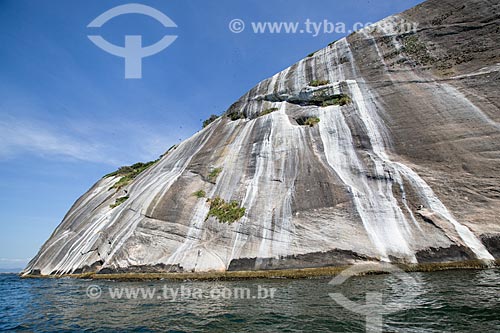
[403, 166]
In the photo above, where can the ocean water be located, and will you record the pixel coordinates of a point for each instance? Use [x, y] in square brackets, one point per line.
[450, 301]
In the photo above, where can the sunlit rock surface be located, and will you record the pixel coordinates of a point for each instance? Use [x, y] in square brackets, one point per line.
[409, 171]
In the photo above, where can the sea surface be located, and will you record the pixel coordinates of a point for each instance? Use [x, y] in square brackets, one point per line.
[450, 301]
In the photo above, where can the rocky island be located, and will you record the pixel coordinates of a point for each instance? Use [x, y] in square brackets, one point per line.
[383, 146]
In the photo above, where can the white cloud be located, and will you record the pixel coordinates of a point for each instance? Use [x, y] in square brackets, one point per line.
[43, 139]
[89, 142]
[10, 260]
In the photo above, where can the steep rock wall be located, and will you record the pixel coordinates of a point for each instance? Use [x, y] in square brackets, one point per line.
[408, 171]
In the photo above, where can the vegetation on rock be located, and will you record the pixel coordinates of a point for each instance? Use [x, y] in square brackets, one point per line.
[267, 111]
[234, 115]
[173, 147]
[210, 120]
[318, 83]
[307, 121]
[416, 49]
[337, 100]
[200, 194]
[129, 173]
[311, 121]
[212, 176]
[225, 212]
[118, 202]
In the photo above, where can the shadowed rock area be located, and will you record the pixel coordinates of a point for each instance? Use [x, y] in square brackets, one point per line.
[384, 145]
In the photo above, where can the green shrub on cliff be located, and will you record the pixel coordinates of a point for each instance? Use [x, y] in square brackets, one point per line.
[212, 176]
[200, 194]
[235, 116]
[225, 212]
[311, 121]
[337, 100]
[129, 173]
[210, 120]
[267, 111]
[118, 202]
[318, 83]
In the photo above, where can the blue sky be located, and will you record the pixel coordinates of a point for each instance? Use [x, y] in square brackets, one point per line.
[68, 116]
